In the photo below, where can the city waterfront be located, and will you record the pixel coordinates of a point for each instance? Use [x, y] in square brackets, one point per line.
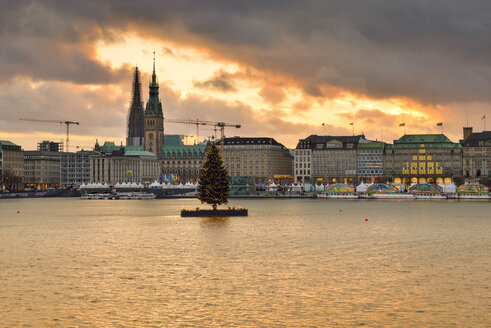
[291, 263]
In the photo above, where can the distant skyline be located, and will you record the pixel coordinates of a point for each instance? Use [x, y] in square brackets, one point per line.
[278, 68]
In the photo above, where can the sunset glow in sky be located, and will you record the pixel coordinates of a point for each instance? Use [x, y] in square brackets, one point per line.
[280, 69]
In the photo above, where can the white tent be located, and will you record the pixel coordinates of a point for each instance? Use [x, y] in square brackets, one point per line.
[297, 187]
[273, 187]
[451, 188]
[362, 188]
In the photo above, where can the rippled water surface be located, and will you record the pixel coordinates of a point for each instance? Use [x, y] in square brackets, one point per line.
[291, 263]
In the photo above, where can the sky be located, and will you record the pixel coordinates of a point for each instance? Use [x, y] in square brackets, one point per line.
[283, 69]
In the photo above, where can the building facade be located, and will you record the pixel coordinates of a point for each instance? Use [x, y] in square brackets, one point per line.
[154, 118]
[11, 166]
[327, 159]
[476, 156]
[262, 158]
[370, 158]
[126, 164]
[423, 158]
[182, 162]
[135, 133]
[75, 168]
[42, 169]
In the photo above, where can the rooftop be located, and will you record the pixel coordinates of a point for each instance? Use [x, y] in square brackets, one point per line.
[477, 139]
[250, 141]
[109, 147]
[137, 152]
[422, 138]
[314, 139]
[7, 143]
[428, 140]
[173, 143]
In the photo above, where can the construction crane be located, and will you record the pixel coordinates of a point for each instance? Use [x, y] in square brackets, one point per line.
[59, 122]
[197, 122]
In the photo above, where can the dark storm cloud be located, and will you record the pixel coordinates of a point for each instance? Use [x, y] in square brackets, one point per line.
[220, 81]
[38, 42]
[431, 51]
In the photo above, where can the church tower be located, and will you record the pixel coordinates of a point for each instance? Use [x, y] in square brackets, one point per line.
[135, 133]
[154, 118]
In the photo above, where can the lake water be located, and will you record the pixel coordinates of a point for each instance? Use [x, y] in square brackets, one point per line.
[291, 263]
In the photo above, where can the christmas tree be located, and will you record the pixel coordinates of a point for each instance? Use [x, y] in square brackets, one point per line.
[213, 181]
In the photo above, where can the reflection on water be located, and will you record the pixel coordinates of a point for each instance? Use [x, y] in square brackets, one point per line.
[217, 222]
[291, 263]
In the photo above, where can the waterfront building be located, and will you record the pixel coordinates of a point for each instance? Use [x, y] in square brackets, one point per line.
[327, 159]
[75, 168]
[421, 158]
[42, 169]
[370, 158]
[260, 157]
[182, 162]
[11, 166]
[123, 164]
[135, 132]
[154, 118]
[476, 156]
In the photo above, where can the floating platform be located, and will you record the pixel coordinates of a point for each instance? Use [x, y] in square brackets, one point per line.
[214, 213]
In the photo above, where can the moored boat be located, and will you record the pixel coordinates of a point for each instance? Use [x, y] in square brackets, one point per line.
[473, 191]
[98, 196]
[391, 196]
[339, 191]
[337, 196]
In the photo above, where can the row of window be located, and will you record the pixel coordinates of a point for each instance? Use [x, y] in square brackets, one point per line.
[182, 162]
[243, 158]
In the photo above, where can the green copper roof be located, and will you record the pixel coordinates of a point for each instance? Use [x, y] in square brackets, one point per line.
[422, 138]
[133, 148]
[7, 143]
[174, 144]
[108, 147]
[428, 140]
[139, 153]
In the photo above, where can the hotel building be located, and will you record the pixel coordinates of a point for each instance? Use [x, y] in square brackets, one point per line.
[259, 157]
[327, 159]
[423, 158]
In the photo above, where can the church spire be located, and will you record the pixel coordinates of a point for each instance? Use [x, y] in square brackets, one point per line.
[154, 106]
[136, 90]
[154, 75]
[135, 133]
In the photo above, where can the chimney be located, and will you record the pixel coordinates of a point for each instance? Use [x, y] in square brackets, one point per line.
[467, 132]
